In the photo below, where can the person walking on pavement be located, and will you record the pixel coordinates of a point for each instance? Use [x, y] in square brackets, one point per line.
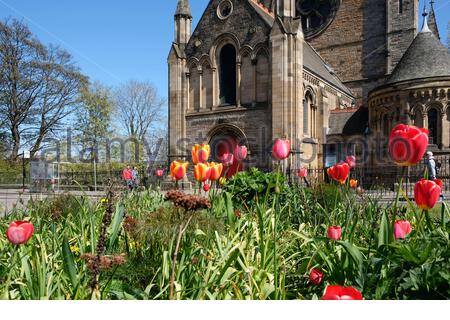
[135, 176]
[432, 169]
[127, 175]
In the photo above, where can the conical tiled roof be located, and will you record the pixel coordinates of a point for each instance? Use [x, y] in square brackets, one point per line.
[183, 8]
[425, 58]
[432, 21]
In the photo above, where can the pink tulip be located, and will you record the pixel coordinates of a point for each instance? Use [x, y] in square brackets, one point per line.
[240, 153]
[351, 161]
[159, 173]
[402, 229]
[334, 233]
[302, 173]
[281, 149]
[19, 232]
[227, 159]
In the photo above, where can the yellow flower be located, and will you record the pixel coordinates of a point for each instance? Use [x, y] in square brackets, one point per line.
[75, 249]
[104, 200]
[222, 181]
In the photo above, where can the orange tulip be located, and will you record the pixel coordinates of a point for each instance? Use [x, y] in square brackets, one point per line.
[215, 171]
[178, 169]
[353, 183]
[200, 153]
[201, 172]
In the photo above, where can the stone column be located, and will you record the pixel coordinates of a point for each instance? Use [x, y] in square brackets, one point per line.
[200, 91]
[214, 88]
[188, 92]
[444, 132]
[238, 84]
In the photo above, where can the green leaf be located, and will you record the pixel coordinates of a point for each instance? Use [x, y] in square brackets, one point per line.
[353, 251]
[69, 263]
[384, 232]
[116, 224]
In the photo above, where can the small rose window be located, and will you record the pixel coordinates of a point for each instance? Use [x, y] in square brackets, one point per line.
[225, 9]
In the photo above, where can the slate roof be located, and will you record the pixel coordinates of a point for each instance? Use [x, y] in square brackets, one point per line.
[426, 57]
[348, 123]
[314, 63]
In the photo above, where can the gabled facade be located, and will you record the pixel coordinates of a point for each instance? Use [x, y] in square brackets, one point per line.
[246, 75]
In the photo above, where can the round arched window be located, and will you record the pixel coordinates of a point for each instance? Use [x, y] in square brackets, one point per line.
[224, 9]
[316, 15]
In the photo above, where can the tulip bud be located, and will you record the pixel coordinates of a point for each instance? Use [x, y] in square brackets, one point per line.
[302, 173]
[339, 172]
[427, 193]
[334, 233]
[178, 169]
[402, 229]
[240, 153]
[351, 161]
[206, 187]
[200, 153]
[407, 144]
[315, 277]
[19, 232]
[202, 172]
[281, 149]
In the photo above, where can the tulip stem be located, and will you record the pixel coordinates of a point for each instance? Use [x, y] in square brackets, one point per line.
[428, 219]
[10, 263]
[397, 197]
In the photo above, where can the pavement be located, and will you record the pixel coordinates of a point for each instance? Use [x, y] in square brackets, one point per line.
[18, 198]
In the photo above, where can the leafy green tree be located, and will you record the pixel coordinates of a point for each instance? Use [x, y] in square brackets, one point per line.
[93, 119]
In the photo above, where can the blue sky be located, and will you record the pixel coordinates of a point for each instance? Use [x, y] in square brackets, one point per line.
[114, 41]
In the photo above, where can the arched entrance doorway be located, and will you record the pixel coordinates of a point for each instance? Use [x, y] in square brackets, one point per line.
[223, 140]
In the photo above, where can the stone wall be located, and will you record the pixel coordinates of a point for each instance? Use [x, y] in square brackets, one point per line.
[255, 124]
[359, 42]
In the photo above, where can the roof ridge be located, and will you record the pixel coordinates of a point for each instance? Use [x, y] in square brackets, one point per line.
[263, 7]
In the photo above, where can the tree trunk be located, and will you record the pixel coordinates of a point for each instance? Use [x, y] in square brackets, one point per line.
[16, 142]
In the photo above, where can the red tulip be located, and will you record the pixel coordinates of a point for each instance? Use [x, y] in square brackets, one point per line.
[206, 187]
[407, 144]
[159, 173]
[351, 161]
[281, 149]
[334, 233]
[19, 232]
[302, 173]
[337, 292]
[339, 172]
[315, 277]
[427, 193]
[227, 159]
[240, 153]
[402, 229]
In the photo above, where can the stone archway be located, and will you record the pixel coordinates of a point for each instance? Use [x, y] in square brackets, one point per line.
[224, 139]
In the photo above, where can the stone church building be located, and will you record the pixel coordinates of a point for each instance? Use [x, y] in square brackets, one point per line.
[323, 74]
